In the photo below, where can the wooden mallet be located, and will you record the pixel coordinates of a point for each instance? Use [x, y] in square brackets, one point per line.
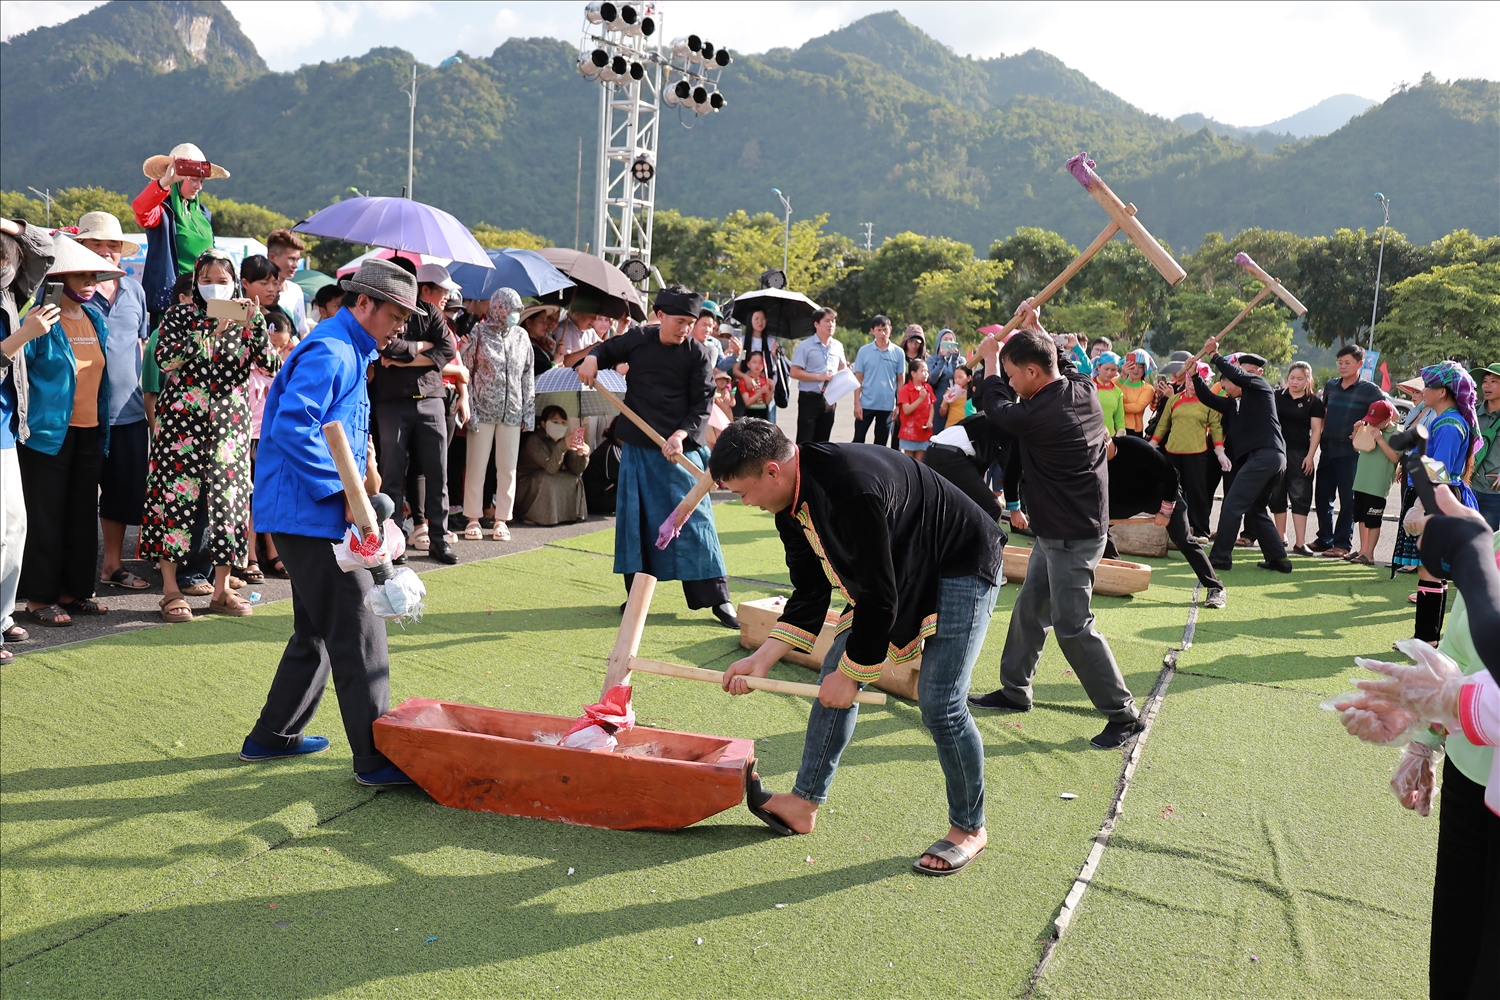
[701, 488]
[1121, 220]
[1270, 286]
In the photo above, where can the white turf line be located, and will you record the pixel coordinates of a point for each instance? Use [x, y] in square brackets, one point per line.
[1106, 830]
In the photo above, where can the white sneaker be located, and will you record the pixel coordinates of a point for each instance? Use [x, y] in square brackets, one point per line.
[1216, 598]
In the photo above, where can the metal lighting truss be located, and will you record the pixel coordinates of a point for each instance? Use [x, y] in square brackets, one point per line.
[621, 50]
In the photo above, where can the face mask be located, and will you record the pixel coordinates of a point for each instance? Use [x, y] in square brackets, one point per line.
[7, 275]
[211, 292]
[556, 431]
[76, 296]
[512, 319]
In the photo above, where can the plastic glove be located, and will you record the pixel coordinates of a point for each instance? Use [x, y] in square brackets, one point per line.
[1428, 688]
[1375, 719]
[1224, 462]
[1416, 777]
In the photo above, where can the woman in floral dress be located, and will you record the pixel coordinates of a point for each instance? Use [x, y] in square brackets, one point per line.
[200, 454]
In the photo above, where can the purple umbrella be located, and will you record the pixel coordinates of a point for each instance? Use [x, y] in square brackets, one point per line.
[398, 224]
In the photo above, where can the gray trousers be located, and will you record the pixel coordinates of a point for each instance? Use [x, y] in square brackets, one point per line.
[332, 632]
[1246, 500]
[1059, 586]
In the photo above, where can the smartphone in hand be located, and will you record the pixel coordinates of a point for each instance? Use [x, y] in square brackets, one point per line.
[577, 437]
[229, 309]
[53, 295]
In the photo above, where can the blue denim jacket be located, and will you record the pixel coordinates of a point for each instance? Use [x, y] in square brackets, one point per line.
[52, 377]
[297, 487]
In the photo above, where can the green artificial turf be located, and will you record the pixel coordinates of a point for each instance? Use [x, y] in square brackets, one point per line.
[1255, 826]
[119, 794]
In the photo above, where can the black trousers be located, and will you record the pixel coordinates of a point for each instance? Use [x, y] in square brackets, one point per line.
[62, 518]
[1464, 960]
[708, 593]
[885, 427]
[414, 432]
[814, 418]
[1192, 473]
[1177, 530]
[332, 632]
[964, 472]
[1249, 491]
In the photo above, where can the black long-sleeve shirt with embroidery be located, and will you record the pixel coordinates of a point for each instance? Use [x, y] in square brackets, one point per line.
[884, 531]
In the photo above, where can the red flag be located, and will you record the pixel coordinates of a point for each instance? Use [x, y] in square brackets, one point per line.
[1385, 378]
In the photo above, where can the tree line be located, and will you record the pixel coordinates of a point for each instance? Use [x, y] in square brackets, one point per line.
[1437, 300]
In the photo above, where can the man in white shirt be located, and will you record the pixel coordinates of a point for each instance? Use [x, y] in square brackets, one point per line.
[814, 363]
[285, 249]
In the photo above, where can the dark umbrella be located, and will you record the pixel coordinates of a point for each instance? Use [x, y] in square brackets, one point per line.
[526, 271]
[397, 224]
[599, 276]
[788, 314]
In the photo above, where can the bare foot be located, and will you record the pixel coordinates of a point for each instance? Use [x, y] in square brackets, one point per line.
[970, 843]
[795, 811]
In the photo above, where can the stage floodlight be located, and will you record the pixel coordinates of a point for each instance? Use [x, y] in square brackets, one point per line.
[599, 12]
[700, 99]
[648, 26]
[587, 66]
[643, 169]
[721, 58]
[707, 52]
[630, 20]
[682, 92]
[773, 279]
[680, 47]
[716, 101]
[619, 67]
[635, 269]
[637, 71]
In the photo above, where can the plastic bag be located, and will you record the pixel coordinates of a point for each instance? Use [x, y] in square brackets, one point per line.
[612, 714]
[1416, 777]
[399, 598]
[355, 553]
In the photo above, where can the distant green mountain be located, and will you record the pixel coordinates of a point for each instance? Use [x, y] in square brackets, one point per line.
[875, 122]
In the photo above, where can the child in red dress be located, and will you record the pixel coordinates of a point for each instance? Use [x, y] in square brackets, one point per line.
[916, 402]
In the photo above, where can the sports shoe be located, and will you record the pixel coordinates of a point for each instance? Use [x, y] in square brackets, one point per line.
[386, 777]
[1116, 735]
[253, 751]
[997, 699]
[1279, 565]
[1215, 598]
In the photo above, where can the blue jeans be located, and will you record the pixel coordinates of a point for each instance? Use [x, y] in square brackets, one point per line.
[965, 604]
[1489, 506]
[1335, 475]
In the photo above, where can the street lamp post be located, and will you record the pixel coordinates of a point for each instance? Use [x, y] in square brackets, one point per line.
[1385, 204]
[411, 130]
[786, 240]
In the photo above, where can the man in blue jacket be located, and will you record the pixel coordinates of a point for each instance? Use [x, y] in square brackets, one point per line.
[300, 500]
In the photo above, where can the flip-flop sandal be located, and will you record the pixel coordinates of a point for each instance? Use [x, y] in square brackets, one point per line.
[755, 799]
[175, 609]
[87, 606]
[958, 859]
[128, 580]
[253, 575]
[15, 634]
[53, 616]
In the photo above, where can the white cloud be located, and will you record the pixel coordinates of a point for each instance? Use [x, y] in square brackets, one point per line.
[1241, 64]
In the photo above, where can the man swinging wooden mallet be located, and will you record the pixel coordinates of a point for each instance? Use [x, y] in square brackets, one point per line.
[916, 560]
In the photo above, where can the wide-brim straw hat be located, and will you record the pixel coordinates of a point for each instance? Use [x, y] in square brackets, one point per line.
[70, 257]
[155, 167]
[384, 281]
[103, 226]
[536, 309]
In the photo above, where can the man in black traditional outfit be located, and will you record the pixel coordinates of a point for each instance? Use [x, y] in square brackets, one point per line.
[915, 560]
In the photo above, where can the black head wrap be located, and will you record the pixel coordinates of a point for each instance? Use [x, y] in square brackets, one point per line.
[678, 301]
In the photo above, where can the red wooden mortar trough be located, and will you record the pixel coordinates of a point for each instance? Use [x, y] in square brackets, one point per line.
[489, 759]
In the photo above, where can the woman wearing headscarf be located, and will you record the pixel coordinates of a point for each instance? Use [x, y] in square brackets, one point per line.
[178, 227]
[1136, 390]
[502, 393]
[1452, 439]
[200, 455]
[63, 439]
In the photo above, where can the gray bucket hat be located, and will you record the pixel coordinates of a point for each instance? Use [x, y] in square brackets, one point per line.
[385, 282]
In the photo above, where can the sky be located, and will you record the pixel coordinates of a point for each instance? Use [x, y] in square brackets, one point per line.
[1242, 64]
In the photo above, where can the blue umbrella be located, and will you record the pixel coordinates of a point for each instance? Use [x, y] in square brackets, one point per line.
[526, 271]
[397, 224]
